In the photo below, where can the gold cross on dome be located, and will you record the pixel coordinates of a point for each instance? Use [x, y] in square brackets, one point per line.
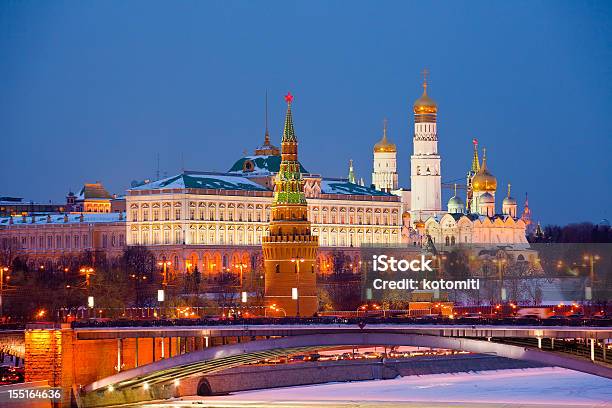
[425, 73]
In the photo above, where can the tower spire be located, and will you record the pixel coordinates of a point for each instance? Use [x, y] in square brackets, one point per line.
[288, 131]
[267, 134]
[351, 174]
[475, 160]
[509, 185]
[289, 185]
[267, 148]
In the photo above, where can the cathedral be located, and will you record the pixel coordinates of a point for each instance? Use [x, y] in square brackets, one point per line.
[474, 222]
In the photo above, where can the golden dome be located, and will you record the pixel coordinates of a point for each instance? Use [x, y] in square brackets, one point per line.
[483, 180]
[384, 146]
[425, 104]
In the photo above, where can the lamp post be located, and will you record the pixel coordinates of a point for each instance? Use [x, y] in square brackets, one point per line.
[87, 271]
[164, 264]
[362, 307]
[211, 269]
[241, 265]
[276, 309]
[588, 290]
[297, 261]
[2, 270]
[501, 262]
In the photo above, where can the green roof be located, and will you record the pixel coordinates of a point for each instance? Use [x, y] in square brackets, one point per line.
[343, 186]
[213, 181]
[261, 165]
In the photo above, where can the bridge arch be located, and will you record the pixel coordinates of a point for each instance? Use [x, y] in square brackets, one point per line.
[218, 358]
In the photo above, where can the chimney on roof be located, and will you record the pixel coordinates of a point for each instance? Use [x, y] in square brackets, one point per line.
[23, 218]
[11, 219]
[81, 218]
[120, 215]
[65, 217]
[48, 218]
[33, 220]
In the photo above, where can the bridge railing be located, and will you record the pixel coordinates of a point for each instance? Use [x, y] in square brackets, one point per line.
[341, 321]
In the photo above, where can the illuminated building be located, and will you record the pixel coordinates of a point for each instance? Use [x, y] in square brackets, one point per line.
[425, 171]
[384, 175]
[48, 238]
[290, 248]
[481, 225]
[17, 206]
[93, 197]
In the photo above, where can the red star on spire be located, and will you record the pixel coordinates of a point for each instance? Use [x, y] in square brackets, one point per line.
[475, 141]
[289, 97]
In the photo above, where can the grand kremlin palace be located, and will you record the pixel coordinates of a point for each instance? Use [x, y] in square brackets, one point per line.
[216, 221]
[200, 216]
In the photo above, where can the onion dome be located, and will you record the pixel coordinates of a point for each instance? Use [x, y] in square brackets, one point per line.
[425, 105]
[486, 198]
[384, 146]
[508, 201]
[455, 204]
[456, 201]
[483, 180]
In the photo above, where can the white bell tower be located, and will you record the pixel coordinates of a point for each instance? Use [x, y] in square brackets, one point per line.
[425, 171]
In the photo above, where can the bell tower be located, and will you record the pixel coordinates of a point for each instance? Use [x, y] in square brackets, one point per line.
[425, 172]
[290, 250]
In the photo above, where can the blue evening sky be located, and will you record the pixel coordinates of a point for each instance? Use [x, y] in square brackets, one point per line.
[94, 90]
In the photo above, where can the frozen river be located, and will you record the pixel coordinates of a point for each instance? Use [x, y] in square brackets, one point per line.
[534, 387]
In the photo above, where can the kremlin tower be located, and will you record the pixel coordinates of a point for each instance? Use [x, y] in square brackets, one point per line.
[425, 172]
[384, 175]
[290, 250]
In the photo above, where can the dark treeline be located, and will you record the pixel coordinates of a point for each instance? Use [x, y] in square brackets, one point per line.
[584, 232]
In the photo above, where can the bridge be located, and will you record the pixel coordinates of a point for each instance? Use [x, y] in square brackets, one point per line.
[115, 365]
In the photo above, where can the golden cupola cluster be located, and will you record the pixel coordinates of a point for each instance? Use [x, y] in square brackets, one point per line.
[483, 180]
[384, 145]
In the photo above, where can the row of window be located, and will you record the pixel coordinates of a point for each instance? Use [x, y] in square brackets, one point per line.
[228, 215]
[223, 237]
[67, 241]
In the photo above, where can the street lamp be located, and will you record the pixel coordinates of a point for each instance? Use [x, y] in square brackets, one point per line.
[588, 290]
[211, 268]
[362, 307]
[297, 261]
[3, 269]
[501, 262]
[87, 272]
[165, 265]
[241, 265]
[276, 309]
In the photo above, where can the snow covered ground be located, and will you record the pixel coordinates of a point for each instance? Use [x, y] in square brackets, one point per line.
[550, 386]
